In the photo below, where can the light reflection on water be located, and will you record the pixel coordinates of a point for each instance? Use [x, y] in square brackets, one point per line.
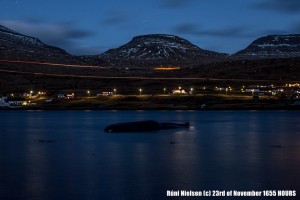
[232, 150]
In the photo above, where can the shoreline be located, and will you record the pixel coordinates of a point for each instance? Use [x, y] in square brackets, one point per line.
[212, 108]
[161, 102]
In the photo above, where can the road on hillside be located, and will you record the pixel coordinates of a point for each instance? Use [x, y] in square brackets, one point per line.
[113, 77]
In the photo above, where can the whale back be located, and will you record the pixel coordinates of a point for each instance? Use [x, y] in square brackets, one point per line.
[139, 126]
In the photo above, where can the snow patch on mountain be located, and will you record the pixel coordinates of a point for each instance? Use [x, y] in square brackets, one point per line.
[159, 48]
[15, 46]
[272, 46]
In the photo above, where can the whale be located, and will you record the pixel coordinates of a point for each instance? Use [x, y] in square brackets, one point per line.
[143, 126]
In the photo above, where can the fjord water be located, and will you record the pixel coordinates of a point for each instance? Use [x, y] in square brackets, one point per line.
[66, 155]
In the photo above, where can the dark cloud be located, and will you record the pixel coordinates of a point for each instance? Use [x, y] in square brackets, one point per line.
[78, 49]
[296, 28]
[115, 18]
[273, 32]
[174, 3]
[111, 20]
[64, 34]
[34, 20]
[289, 6]
[69, 31]
[227, 32]
[193, 29]
[78, 34]
[187, 28]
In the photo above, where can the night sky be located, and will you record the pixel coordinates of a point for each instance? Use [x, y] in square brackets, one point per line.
[94, 26]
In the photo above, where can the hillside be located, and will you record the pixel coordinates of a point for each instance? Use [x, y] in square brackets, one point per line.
[272, 46]
[15, 46]
[158, 49]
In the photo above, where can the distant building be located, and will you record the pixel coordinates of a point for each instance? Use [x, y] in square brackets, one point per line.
[252, 90]
[3, 102]
[105, 94]
[16, 101]
[176, 91]
[48, 100]
[70, 96]
[12, 101]
[41, 93]
[3, 99]
[61, 95]
[293, 85]
[66, 96]
[221, 88]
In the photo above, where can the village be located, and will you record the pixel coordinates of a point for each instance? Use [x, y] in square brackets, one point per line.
[289, 93]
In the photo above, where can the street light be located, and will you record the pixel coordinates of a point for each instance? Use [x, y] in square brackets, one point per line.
[115, 91]
[89, 93]
[164, 90]
[140, 91]
[192, 89]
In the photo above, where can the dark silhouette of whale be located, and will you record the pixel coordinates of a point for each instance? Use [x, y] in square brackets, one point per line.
[143, 126]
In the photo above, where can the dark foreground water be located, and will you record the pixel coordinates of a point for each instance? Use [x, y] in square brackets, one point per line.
[222, 150]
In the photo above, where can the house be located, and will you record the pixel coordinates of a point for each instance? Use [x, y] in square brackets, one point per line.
[16, 101]
[61, 95]
[3, 102]
[293, 85]
[66, 95]
[176, 91]
[221, 88]
[253, 90]
[48, 100]
[70, 96]
[105, 94]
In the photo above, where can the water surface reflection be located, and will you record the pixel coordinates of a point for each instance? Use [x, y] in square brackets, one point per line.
[231, 150]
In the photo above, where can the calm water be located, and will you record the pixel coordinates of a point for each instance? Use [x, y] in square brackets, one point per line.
[224, 150]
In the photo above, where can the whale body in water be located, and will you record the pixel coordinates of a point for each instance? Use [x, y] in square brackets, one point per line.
[143, 126]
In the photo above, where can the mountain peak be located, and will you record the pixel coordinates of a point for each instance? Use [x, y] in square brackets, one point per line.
[15, 46]
[5, 29]
[158, 36]
[164, 40]
[157, 49]
[272, 46]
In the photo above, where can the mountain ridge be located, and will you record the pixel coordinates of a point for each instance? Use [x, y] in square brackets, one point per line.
[145, 51]
[272, 46]
[158, 49]
[16, 46]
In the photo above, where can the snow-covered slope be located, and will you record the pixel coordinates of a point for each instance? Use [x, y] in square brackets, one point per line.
[159, 49]
[272, 46]
[15, 46]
